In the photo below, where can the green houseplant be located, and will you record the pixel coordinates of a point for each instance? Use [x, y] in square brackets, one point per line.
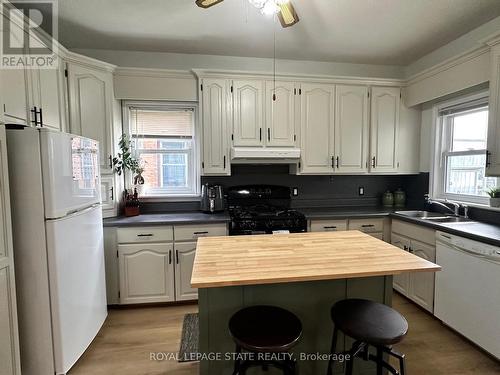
[494, 194]
[124, 160]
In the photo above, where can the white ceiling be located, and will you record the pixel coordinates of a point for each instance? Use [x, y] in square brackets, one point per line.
[393, 32]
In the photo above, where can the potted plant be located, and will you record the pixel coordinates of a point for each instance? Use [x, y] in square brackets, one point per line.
[123, 161]
[494, 194]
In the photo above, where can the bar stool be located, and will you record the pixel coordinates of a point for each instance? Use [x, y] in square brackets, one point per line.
[369, 324]
[264, 331]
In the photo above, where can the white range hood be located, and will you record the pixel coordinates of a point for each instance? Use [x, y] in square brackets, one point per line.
[264, 155]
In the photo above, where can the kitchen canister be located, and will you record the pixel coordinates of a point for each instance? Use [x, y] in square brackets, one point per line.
[399, 198]
[388, 199]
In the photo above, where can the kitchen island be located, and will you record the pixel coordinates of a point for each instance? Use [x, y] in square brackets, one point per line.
[305, 273]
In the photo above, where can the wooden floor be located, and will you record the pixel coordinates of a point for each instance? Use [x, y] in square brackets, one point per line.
[129, 337]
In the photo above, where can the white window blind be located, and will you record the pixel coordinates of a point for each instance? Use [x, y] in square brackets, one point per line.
[163, 141]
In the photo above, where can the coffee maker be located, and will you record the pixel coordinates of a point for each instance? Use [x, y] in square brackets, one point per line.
[212, 198]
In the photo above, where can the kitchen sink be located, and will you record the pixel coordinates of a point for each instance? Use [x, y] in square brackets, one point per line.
[449, 219]
[422, 214]
[434, 217]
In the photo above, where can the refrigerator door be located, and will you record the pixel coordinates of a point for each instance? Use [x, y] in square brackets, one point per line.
[77, 285]
[70, 168]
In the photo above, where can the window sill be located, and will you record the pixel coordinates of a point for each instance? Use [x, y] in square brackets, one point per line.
[469, 204]
[180, 198]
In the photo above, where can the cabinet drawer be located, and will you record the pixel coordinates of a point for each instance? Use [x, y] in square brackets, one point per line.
[367, 225]
[328, 225]
[192, 232]
[414, 231]
[145, 234]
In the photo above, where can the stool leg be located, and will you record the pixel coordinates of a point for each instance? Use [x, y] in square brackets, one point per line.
[379, 361]
[236, 370]
[402, 366]
[332, 351]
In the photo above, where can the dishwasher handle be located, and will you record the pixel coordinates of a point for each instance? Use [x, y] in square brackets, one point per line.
[458, 248]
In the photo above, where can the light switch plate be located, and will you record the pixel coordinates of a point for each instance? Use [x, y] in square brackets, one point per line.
[295, 191]
[361, 190]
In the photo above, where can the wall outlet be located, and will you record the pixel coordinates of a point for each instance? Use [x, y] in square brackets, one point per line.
[361, 190]
[295, 191]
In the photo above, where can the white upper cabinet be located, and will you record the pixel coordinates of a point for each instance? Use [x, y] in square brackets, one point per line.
[351, 129]
[317, 103]
[248, 113]
[215, 116]
[408, 155]
[91, 111]
[14, 88]
[493, 157]
[280, 113]
[47, 95]
[384, 128]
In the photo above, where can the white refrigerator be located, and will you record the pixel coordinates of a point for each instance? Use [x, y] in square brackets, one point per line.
[58, 246]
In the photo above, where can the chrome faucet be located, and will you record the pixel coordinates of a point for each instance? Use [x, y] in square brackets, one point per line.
[454, 211]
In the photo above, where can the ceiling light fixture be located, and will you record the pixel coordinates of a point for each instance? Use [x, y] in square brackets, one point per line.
[207, 3]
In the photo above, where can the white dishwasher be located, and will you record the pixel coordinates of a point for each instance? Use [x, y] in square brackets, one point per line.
[467, 294]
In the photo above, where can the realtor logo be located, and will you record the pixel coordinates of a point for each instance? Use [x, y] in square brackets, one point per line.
[28, 31]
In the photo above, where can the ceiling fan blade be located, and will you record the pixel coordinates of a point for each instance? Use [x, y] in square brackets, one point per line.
[207, 3]
[287, 15]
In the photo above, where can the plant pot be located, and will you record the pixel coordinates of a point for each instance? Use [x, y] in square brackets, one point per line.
[132, 211]
[494, 202]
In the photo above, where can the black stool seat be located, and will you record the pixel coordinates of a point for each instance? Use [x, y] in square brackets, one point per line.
[370, 322]
[265, 329]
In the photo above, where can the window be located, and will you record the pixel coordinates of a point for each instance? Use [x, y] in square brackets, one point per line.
[163, 139]
[462, 157]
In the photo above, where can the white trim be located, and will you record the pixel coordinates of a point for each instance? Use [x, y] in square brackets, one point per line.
[196, 154]
[436, 180]
[153, 73]
[310, 78]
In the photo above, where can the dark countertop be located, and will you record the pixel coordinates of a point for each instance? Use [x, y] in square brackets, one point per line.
[474, 230]
[194, 217]
[348, 212]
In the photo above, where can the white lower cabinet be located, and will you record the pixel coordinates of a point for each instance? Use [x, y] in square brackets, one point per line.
[401, 282]
[153, 264]
[184, 261]
[328, 225]
[146, 273]
[419, 286]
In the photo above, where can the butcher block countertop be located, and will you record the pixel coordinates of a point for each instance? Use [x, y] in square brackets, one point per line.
[283, 258]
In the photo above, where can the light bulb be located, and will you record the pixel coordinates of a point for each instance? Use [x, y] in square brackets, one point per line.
[258, 3]
[270, 8]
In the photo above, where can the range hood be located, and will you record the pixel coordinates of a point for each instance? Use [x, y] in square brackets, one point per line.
[264, 155]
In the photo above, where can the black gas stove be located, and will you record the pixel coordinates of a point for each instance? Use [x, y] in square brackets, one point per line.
[263, 209]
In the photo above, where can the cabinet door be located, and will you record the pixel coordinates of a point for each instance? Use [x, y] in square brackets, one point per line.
[215, 114]
[384, 128]
[408, 156]
[351, 129]
[14, 86]
[184, 261]
[9, 340]
[91, 112]
[280, 114]
[317, 103]
[493, 164]
[48, 95]
[146, 273]
[401, 282]
[422, 283]
[108, 192]
[248, 113]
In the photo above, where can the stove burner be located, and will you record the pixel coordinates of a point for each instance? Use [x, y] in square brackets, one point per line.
[257, 213]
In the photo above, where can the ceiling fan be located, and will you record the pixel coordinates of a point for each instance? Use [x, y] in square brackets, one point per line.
[283, 8]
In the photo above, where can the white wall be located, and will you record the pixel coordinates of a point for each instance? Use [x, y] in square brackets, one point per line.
[179, 61]
[466, 42]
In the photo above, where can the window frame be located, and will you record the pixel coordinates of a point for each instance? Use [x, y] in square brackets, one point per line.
[442, 149]
[194, 172]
